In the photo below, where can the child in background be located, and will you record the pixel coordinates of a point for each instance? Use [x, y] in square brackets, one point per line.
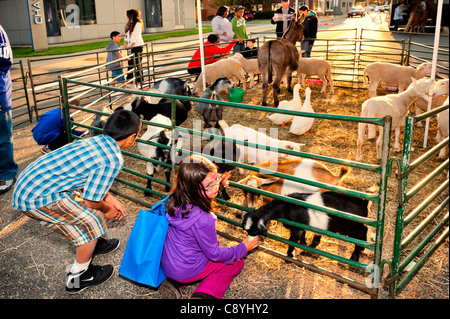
[239, 29]
[112, 55]
[191, 250]
[67, 190]
[250, 51]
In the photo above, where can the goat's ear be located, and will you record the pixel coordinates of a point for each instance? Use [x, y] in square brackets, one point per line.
[262, 228]
[241, 215]
[268, 181]
[413, 80]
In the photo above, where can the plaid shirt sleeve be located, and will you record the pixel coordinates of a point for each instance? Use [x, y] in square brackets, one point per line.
[99, 182]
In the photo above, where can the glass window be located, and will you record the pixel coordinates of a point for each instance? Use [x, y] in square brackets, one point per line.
[77, 12]
[153, 13]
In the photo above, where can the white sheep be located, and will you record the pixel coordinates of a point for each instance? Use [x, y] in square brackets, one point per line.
[395, 105]
[392, 75]
[249, 65]
[442, 119]
[439, 95]
[315, 66]
[229, 68]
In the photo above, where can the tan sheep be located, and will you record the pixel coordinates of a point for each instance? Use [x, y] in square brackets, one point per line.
[249, 65]
[440, 94]
[393, 75]
[229, 68]
[315, 66]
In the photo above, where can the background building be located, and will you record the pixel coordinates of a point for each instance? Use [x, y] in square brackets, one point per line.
[42, 22]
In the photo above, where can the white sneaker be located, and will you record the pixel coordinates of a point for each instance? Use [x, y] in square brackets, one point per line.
[5, 185]
[45, 150]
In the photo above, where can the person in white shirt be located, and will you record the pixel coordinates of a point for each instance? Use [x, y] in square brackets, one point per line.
[134, 42]
[222, 26]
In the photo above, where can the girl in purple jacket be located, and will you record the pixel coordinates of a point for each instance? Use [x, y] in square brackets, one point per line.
[191, 250]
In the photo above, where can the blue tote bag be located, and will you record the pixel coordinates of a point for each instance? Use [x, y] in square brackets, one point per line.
[142, 258]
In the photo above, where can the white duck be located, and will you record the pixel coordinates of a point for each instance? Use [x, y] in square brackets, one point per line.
[301, 125]
[293, 105]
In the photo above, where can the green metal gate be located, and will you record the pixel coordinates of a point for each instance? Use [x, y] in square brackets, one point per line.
[423, 227]
[20, 102]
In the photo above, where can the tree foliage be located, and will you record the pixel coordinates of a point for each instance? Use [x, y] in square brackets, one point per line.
[233, 3]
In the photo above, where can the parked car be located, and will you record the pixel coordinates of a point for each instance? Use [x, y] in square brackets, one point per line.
[249, 16]
[356, 11]
[379, 9]
[386, 7]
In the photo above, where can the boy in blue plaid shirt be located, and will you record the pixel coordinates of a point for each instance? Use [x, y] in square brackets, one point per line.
[67, 191]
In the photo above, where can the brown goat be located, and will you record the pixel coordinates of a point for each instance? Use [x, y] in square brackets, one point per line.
[280, 57]
[302, 168]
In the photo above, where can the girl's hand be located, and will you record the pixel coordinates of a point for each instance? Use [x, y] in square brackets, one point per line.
[251, 244]
[225, 178]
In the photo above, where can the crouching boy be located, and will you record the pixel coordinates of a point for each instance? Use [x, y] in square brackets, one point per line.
[67, 191]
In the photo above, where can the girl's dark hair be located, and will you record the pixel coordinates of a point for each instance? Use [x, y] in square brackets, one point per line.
[221, 10]
[304, 8]
[122, 124]
[188, 188]
[132, 14]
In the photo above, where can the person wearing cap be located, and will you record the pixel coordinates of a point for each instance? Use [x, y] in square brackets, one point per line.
[309, 30]
[239, 29]
[282, 18]
[211, 49]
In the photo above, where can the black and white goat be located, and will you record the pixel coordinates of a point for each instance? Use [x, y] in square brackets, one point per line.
[146, 110]
[100, 120]
[255, 222]
[161, 136]
[213, 112]
[174, 86]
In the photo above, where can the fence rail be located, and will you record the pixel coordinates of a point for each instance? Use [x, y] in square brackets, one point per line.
[380, 170]
[427, 221]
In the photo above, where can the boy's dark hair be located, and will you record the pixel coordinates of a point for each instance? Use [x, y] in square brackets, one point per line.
[122, 124]
[212, 38]
[114, 33]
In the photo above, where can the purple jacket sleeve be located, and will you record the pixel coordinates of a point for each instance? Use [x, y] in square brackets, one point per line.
[206, 236]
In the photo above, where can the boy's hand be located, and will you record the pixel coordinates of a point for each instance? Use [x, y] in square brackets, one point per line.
[117, 205]
[114, 213]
